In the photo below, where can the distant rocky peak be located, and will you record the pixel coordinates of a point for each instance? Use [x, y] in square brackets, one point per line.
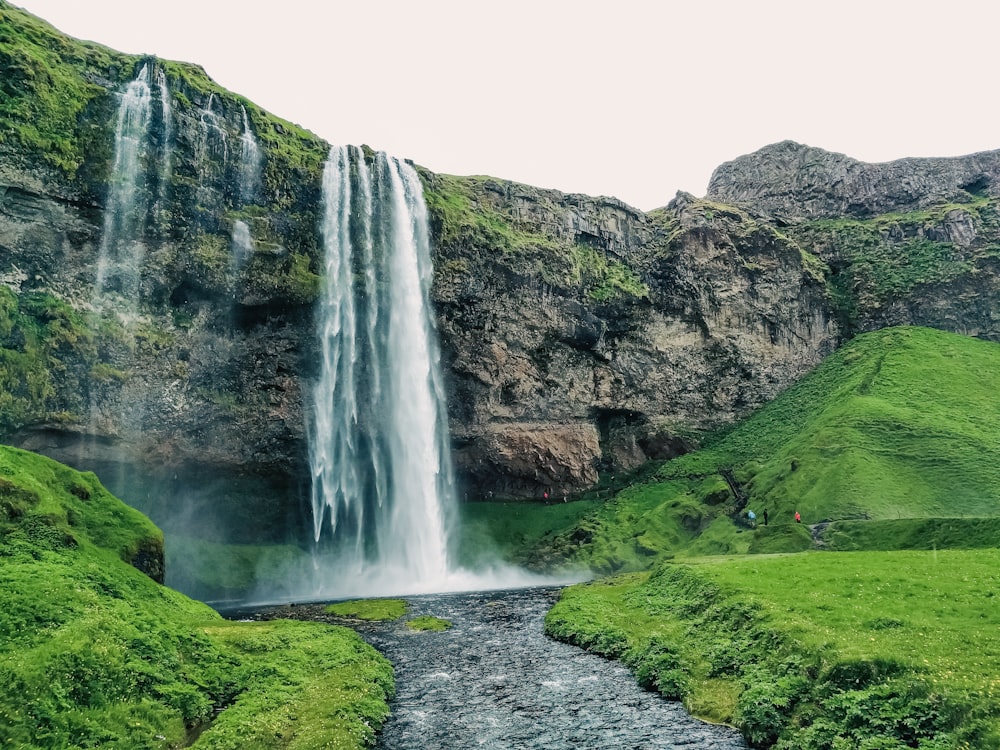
[792, 182]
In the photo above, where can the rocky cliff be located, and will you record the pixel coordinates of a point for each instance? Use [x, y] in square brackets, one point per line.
[579, 335]
[914, 241]
[790, 182]
[582, 335]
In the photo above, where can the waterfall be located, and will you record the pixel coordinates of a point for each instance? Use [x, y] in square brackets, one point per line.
[211, 150]
[250, 163]
[241, 244]
[120, 256]
[166, 164]
[382, 491]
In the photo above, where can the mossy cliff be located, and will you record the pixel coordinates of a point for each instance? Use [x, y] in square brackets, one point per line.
[191, 390]
[580, 337]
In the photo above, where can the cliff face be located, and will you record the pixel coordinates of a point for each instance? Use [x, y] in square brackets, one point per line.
[791, 182]
[579, 335]
[914, 241]
[188, 388]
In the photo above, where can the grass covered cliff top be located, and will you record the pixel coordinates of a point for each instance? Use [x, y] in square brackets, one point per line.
[55, 103]
[47, 82]
[93, 653]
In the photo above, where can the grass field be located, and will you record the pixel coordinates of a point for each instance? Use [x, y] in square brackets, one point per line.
[812, 650]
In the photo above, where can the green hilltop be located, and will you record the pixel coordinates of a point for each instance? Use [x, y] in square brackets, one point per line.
[891, 442]
[94, 653]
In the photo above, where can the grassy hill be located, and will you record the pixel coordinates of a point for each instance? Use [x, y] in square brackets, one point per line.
[94, 653]
[896, 429]
[861, 650]
[891, 444]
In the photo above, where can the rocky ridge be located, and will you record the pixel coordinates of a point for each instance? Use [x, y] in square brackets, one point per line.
[790, 182]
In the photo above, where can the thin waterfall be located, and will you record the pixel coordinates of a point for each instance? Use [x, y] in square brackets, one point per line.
[382, 488]
[166, 114]
[250, 163]
[121, 252]
[241, 244]
[211, 150]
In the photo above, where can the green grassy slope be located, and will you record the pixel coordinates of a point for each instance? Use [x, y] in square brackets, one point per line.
[93, 653]
[887, 650]
[898, 424]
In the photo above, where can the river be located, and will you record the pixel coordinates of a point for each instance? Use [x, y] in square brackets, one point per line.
[495, 681]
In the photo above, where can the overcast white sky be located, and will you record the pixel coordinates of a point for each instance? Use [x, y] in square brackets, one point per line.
[631, 98]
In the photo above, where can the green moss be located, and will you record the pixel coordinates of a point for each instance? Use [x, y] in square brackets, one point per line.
[46, 353]
[370, 609]
[428, 622]
[281, 277]
[46, 87]
[301, 284]
[211, 260]
[464, 217]
[888, 257]
[319, 687]
[95, 653]
[604, 278]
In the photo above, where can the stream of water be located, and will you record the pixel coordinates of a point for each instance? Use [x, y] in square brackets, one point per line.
[495, 681]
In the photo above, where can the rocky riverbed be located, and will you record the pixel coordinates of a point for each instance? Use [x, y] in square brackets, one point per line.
[494, 680]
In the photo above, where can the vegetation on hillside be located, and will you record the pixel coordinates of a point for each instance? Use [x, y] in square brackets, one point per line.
[48, 82]
[898, 424]
[95, 653]
[47, 354]
[425, 623]
[463, 217]
[811, 651]
[370, 609]
[889, 257]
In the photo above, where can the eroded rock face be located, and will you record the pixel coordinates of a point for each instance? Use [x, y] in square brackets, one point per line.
[792, 182]
[581, 336]
[725, 314]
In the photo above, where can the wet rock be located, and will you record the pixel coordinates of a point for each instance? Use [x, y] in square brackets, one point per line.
[495, 681]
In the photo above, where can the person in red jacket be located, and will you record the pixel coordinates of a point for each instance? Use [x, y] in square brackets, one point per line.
[798, 518]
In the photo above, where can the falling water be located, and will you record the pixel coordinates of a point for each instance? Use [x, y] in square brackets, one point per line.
[250, 163]
[166, 163]
[382, 480]
[241, 243]
[121, 251]
[211, 151]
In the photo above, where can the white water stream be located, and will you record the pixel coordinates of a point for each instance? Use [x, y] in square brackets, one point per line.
[166, 114]
[383, 497]
[382, 482]
[121, 253]
[250, 163]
